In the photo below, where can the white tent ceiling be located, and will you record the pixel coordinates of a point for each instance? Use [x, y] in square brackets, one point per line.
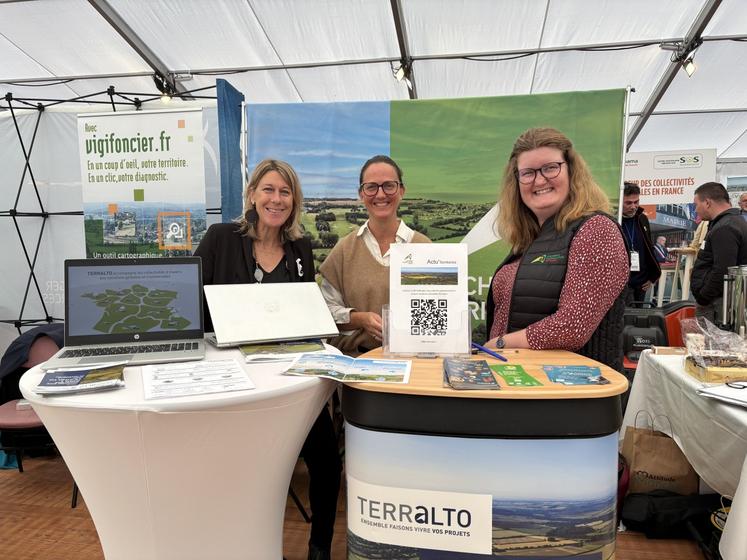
[346, 50]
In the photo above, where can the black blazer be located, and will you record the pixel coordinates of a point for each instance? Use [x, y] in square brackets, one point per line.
[227, 259]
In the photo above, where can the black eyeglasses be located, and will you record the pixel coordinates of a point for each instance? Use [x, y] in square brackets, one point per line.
[548, 171]
[736, 385]
[389, 187]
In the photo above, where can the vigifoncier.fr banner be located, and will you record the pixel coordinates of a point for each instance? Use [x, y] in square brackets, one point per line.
[143, 180]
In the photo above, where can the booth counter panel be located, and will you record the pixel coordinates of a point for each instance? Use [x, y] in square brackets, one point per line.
[521, 472]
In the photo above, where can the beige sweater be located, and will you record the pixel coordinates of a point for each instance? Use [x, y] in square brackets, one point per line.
[363, 283]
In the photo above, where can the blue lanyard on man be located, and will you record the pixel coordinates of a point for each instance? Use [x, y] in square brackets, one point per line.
[635, 262]
[630, 233]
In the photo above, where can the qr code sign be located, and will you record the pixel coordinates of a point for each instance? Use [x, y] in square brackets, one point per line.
[428, 317]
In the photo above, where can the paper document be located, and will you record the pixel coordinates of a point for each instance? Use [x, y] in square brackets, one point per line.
[428, 309]
[734, 393]
[348, 370]
[279, 351]
[194, 378]
[65, 381]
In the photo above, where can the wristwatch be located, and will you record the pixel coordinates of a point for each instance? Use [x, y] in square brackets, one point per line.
[500, 343]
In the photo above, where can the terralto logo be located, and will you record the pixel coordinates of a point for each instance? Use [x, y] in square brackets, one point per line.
[387, 511]
[417, 518]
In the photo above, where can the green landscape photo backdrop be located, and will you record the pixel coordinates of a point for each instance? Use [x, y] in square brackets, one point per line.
[452, 153]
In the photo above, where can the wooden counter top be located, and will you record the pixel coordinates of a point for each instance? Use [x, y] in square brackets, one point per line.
[426, 377]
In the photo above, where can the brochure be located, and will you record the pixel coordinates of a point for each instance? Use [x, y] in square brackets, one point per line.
[575, 375]
[428, 309]
[732, 393]
[469, 374]
[70, 381]
[350, 370]
[515, 376]
[280, 351]
[182, 379]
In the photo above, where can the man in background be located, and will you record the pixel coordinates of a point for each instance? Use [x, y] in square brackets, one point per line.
[725, 245]
[644, 269]
[660, 250]
[743, 205]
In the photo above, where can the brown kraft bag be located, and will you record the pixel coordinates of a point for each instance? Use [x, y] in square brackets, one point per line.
[656, 461]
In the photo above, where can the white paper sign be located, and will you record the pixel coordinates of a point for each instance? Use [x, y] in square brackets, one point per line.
[670, 177]
[183, 379]
[451, 521]
[428, 298]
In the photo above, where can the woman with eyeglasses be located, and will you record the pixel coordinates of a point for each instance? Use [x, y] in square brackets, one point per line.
[561, 287]
[355, 275]
[266, 245]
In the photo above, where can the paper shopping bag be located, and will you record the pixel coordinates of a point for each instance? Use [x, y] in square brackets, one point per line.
[656, 462]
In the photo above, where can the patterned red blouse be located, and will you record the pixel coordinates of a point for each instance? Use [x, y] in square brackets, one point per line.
[597, 272]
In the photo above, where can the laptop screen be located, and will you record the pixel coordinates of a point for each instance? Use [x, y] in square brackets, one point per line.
[131, 300]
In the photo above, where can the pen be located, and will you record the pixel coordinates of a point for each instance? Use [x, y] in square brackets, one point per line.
[489, 352]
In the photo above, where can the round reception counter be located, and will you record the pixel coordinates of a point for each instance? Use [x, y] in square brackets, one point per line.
[526, 471]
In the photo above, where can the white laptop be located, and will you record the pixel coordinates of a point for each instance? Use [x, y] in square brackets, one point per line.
[250, 313]
[138, 311]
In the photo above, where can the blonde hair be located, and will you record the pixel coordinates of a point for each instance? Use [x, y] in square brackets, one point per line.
[292, 229]
[516, 223]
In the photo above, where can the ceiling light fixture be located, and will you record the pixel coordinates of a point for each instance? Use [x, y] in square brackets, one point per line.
[684, 53]
[689, 66]
[402, 74]
[164, 86]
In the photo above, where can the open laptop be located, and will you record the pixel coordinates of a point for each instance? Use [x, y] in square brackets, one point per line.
[252, 313]
[139, 311]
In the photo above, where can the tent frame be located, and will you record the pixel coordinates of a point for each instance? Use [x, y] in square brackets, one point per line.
[30, 247]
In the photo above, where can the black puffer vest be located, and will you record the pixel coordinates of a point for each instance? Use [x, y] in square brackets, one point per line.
[536, 293]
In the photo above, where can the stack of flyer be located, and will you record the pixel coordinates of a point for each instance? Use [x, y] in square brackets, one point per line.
[279, 351]
[469, 374]
[66, 381]
[575, 375]
[350, 370]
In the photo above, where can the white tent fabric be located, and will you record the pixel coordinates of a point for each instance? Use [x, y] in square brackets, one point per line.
[346, 50]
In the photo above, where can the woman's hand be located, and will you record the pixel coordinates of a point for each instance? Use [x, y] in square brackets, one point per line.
[516, 339]
[369, 321]
[491, 343]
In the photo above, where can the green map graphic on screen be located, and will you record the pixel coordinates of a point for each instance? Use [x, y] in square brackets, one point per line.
[136, 309]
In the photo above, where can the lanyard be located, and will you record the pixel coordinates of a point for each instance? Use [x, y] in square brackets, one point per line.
[630, 234]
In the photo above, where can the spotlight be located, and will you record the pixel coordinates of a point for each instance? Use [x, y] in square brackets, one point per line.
[164, 86]
[689, 66]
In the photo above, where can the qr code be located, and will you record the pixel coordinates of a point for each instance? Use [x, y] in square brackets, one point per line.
[428, 317]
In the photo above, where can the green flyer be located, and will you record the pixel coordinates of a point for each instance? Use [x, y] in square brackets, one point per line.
[515, 376]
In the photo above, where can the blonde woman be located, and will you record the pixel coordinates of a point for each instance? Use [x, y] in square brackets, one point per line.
[562, 285]
[266, 245]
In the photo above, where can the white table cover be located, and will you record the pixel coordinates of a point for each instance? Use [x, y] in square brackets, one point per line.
[712, 435]
[190, 477]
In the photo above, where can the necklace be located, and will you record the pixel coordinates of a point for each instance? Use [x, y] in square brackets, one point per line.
[259, 273]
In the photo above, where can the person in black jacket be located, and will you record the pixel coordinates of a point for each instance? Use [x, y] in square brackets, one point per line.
[267, 245]
[644, 268]
[725, 245]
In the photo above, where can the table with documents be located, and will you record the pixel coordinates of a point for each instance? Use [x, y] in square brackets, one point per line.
[196, 476]
[712, 435]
